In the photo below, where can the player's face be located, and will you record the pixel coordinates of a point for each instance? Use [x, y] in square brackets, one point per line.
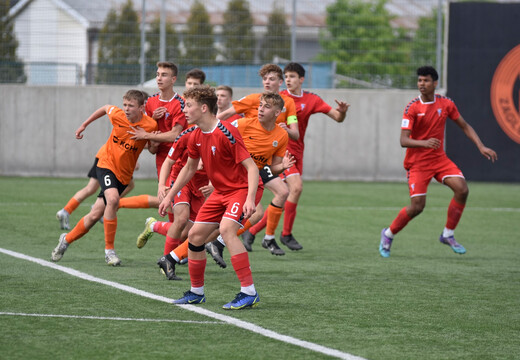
[293, 82]
[191, 83]
[267, 112]
[426, 85]
[223, 99]
[272, 82]
[164, 78]
[132, 110]
[192, 111]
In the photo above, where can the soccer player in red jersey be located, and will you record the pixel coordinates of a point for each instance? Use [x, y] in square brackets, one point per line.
[422, 133]
[225, 96]
[307, 104]
[114, 170]
[235, 178]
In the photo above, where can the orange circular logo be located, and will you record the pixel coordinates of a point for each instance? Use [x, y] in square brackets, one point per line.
[505, 94]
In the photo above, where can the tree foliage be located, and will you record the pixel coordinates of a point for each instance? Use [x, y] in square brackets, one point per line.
[423, 45]
[11, 68]
[237, 32]
[361, 40]
[119, 47]
[277, 40]
[198, 39]
[153, 53]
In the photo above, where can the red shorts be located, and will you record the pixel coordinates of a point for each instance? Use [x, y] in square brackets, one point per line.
[192, 197]
[419, 179]
[296, 169]
[227, 205]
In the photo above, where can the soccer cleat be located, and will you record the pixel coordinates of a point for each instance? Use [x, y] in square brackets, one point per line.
[112, 259]
[451, 242]
[290, 242]
[248, 239]
[190, 298]
[63, 217]
[215, 251]
[385, 244]
[242, 301]
[143, 237]
[272, 246]
[59, 250]
[167, 268]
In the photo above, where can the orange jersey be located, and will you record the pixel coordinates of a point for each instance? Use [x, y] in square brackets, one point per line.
[248, 106]
[120, 152]
[262, 144]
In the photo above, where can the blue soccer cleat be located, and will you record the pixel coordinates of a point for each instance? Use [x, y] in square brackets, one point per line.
[451, 242]
[190, 298]
[385, 244]
[242, 301]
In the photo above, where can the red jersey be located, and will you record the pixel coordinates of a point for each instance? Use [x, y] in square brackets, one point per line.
[174, 115]
[222, 150]
[306, 104]
[120, 153]
[179, 153]
[427, 120]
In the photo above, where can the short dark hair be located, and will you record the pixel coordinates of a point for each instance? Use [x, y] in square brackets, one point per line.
[203, 94]
[168, 65]
[273, 98]
[294, 67]
[428, 70]
[196, 74]
[138, 95]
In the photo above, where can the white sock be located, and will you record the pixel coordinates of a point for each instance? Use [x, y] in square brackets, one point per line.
[109, 250]
[447, 232]
[389, 233]
[221, 240]
[151, 226]
[197, 290]
[174, 256]
[249, 290]
[269, 237]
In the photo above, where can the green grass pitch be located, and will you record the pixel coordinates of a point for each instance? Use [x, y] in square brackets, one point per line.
[424, 302]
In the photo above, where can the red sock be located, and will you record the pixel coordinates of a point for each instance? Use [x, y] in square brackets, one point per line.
[161, 227]
[110, 232]
[454, 214]
[247, 225]
[170, 244]
[289, 217]
[196, 269]
[71, 205]
[400, 221]
[134, 202]
[78, 231]
[242, 268]
[256, 228]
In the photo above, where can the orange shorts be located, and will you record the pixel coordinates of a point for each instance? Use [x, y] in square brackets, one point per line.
[419, 179]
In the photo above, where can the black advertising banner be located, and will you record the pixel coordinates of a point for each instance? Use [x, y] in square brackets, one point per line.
[484, 81]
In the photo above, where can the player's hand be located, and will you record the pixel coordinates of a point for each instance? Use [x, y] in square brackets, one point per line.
[342, 106]
[79, 132]
[138, 133]
[206, 190]
[432, 143]
[283, 126]
[162, 191]
[490, 154]
[159, 113]
[288, 160]
[163, 207]
[249, 209]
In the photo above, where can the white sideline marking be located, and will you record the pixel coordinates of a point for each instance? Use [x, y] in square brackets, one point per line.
[199, 310]
[109, 318]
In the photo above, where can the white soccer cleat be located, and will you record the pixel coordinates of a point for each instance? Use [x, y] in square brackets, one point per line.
[63, 217]
[59, 250]
[112, 259]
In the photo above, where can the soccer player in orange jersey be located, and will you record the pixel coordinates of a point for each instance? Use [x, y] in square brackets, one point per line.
[235, 178]
[422, 133]
[307, 104]
[114, 170]
[272, 79]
